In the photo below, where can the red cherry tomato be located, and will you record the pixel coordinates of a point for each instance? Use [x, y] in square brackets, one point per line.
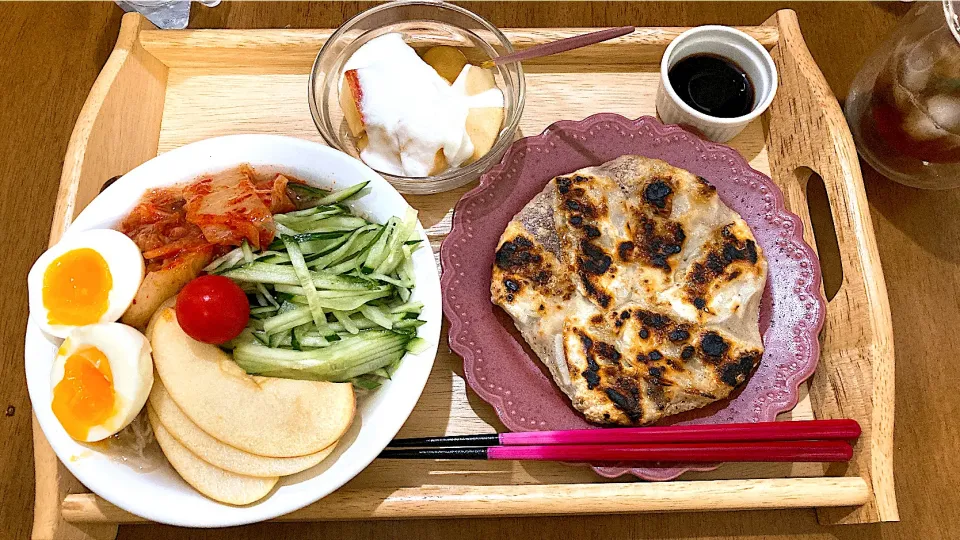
[212, 309]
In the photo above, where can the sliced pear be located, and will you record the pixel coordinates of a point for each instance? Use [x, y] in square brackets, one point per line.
[214, 482]
[448, 62]
[260, 415]
[483, 128]
[483, 123]
[350, 99]
[217, 453]
[440, 163]
[478, 80]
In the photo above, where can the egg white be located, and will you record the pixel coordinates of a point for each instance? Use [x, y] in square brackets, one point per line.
[123, 258]
[131, 364]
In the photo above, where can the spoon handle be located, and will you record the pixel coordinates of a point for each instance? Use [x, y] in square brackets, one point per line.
[559, 46]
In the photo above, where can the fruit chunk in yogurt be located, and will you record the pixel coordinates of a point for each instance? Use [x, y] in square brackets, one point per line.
[411, 121]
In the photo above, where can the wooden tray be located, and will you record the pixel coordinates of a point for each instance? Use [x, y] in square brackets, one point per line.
[163, 89]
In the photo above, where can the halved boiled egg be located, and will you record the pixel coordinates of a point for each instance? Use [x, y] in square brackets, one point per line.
[101, 379]
[89, 277]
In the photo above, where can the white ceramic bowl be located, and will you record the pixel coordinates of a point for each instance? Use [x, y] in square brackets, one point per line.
[161, 495]
[729, 43]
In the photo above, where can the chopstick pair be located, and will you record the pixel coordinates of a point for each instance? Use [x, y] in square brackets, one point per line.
[800, 441]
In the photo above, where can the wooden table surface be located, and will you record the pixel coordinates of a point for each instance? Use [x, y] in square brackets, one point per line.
[53, 52]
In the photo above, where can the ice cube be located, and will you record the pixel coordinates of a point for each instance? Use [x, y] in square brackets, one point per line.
[921, 127]
[915, 67]
[944, 110]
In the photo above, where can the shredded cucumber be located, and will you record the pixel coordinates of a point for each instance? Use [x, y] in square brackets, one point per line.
[330, 295]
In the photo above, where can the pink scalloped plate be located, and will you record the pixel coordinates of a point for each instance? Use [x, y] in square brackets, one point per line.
[505, 373]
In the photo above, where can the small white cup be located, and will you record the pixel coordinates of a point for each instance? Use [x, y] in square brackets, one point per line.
[729, 43]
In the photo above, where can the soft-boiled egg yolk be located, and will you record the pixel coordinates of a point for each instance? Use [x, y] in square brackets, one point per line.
[100, 380]
[89, 277]
[76, 288]
[85, 397]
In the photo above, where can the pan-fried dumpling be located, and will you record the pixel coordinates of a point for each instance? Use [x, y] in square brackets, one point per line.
[637, 287]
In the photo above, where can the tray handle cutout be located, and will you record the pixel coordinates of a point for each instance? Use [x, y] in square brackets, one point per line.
[824, 230]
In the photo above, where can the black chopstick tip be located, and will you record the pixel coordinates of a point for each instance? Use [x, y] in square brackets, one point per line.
[435, 453]
[453, 441]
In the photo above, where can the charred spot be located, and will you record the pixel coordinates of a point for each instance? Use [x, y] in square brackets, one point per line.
[607, 351]
[618, 323]
[714, 263]
[653, 320]
[626, 397]
[698, 274]
[687, 352]
[655, 372]
[596, 319]
[593, 380]
[661, 240]
[511, 285]
[591, 231]
[625, 314]
[699, 303]
[734, 373]
[541, 308]
[592, 364]
[606, 416]
[572, 205]
[734, 275]
[679, 335]
[601, 297]
[644, 333]
[696, 392]
[586, 341]
[731, 252]
[578, 179]
[625, 249]
[657, 192]
[655, 356]
[510, 297]
[595, 261]
[542, 277]
[641, 358]
[517, 253]
[705, 185]
[576, 220]
[563, 185]
[713, 345]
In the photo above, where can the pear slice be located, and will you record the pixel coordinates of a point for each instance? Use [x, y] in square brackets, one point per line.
[447, 61]
[260, 415]
[478, 80]
[214, 482]
[483, 128]
[483, 123]
[217, 453]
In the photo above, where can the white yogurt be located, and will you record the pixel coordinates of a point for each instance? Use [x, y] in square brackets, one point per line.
[409, 111]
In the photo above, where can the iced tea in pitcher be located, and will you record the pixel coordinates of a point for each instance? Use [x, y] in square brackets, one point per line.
[904, 105]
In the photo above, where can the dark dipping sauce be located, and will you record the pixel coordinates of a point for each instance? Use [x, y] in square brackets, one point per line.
[712, 85]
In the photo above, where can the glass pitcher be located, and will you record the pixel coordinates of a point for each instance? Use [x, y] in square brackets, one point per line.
[904, 104]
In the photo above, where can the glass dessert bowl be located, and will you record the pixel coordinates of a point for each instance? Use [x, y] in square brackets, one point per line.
[415, 103]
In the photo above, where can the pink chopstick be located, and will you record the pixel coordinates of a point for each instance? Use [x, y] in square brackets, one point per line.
[841, 429]
[792, 451]
[780, 451]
